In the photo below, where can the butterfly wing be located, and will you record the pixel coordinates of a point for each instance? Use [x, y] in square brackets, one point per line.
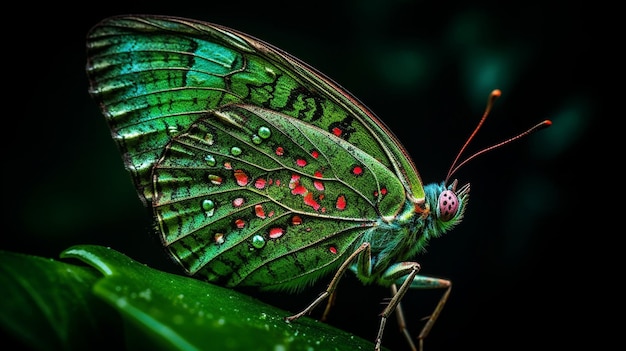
[242, 149]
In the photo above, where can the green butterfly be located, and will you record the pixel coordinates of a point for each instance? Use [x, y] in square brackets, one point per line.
[260, 170]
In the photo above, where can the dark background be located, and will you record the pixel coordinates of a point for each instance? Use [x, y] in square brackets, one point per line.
[519, 260]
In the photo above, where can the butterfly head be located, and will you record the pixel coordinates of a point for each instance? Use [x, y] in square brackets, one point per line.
[451, 202]
[447, 203]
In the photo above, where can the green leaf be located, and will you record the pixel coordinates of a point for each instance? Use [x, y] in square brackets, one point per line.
[49, 305]
[160, 311]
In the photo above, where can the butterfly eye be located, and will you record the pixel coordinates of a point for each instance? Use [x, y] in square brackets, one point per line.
[448, 205]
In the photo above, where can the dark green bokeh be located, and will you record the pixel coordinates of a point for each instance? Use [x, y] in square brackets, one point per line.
[426, 69]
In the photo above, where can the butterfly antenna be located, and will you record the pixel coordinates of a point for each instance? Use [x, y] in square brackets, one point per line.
[492, 98]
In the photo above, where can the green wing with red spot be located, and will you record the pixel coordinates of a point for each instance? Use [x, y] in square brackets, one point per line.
[261, 171]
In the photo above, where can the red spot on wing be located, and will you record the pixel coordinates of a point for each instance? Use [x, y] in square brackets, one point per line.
[276, 232]
[318, 185]
[240, 223]
[341, 203]
[294, 181]
[238, 202]
[258, 209]
[296, 220]
[310, 201]
[260, 183]
[337, 131]
[299, 190]
[241, 177]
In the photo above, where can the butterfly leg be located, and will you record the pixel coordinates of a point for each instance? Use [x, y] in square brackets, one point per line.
[405, 271]
[423, 282]
[401, 320]
[329, 305]
[364, 249]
